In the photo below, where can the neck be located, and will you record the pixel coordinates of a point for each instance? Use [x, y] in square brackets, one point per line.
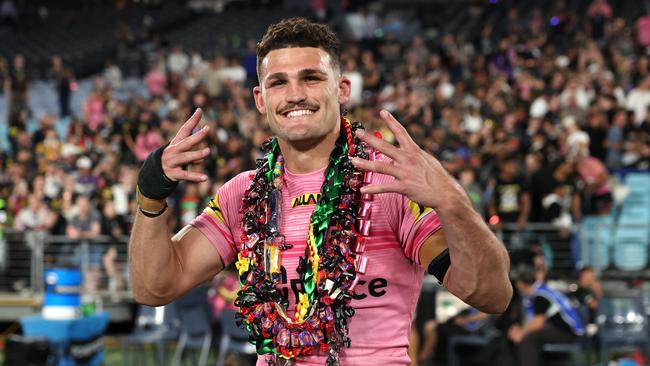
[308, 155]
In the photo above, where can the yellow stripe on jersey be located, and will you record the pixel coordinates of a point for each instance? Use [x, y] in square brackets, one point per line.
[418, 210]
[214, 208]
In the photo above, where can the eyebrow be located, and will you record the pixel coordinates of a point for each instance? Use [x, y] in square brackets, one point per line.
[302, 73]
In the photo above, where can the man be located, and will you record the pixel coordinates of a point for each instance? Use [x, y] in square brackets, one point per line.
[358, 283]
[589, 291]
[550, 317]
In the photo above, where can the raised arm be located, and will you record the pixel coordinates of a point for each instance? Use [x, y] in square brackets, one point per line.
[479, 262]
[163, 267]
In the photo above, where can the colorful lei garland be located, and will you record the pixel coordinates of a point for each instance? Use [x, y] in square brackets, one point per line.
[328, 271]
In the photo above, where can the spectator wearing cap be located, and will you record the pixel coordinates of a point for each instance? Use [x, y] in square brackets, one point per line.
[86, 182]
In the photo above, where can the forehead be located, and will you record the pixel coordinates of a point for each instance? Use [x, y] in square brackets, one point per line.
[294, 59]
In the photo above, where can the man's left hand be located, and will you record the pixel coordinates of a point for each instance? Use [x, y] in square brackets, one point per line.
[418, 175]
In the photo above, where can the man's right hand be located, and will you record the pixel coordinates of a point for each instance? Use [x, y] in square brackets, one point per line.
[180, 151]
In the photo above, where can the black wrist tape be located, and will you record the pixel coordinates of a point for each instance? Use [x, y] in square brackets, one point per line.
[439, 265]
[152, 181]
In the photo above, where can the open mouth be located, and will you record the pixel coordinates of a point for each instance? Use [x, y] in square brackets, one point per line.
[298, 113]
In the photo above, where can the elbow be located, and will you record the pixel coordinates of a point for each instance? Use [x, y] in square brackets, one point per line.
[146, 294]
[491, 298]
[498, 303]
[487, 289]
[145, 297]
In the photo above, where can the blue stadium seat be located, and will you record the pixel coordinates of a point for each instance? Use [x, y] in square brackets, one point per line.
[596, 237]
[622, 322]
[638, 181]
[233, 338]
[150, 330]
[196, 332]
[631, 247]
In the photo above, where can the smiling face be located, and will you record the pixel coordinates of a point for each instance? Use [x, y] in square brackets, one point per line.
[300, 93]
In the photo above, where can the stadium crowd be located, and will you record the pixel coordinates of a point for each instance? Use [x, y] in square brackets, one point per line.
[530, 116]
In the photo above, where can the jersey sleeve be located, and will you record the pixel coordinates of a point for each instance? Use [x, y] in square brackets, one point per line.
[411, 222]
[540, 305]
[220, 221]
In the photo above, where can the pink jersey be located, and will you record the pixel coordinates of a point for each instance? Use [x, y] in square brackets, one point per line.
[386, 295]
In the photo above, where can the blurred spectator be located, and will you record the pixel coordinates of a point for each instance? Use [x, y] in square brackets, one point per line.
[467, 179]
[356, 82]
[148, 137]
[178, 61]
[86, 182]
[112, 75]
[85, 224]
[638, 100]
[550, 318]
[36, 216]
[589, 291]
[85, 220]
[511, 198]
[155, 79]
[63, 79]
[17, 89]
[93, 106]
[362, 24]
[594, 183]
[114, 226]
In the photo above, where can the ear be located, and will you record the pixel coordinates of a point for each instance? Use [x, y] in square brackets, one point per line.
[344, 89]
[259, 100]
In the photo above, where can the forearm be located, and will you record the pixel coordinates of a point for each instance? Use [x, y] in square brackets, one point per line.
[479, 262]
[153, 268]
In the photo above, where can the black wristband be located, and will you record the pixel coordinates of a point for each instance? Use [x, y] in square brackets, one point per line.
[153, 214]
[439, 265]
[152, 181]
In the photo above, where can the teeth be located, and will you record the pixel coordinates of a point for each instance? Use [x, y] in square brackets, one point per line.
[299, 113]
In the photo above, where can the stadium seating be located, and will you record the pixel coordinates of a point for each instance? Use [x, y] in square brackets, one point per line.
[596, 233]
[631, 247]
[233, 338]
[150, 329]
[622, 322]
[196, 332]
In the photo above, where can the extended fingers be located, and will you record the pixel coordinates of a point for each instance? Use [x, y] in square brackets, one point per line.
[379, 144]
[401, 135]
[180, 174]
[188, 157]
[189, 142]
[188, 126]
[380, 167]
[393, 186]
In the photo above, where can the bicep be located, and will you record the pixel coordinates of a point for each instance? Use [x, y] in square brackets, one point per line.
[198, 259]
[432, 247]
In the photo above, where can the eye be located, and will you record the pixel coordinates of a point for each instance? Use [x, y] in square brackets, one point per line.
[277, 82]
[313, 78]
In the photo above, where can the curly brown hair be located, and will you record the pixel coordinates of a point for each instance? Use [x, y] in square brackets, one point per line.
[299, 32]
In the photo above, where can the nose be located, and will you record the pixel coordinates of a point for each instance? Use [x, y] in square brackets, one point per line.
[296, 93]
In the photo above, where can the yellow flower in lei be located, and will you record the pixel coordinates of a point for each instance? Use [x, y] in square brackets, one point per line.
[314, 253]
[242, 263]
[302, 308]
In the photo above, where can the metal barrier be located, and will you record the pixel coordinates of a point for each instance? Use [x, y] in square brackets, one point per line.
[103, 261]
[598, 242]
[559, 247]
[613, 249]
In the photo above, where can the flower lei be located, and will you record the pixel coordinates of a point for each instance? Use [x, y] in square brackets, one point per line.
[328, 270]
